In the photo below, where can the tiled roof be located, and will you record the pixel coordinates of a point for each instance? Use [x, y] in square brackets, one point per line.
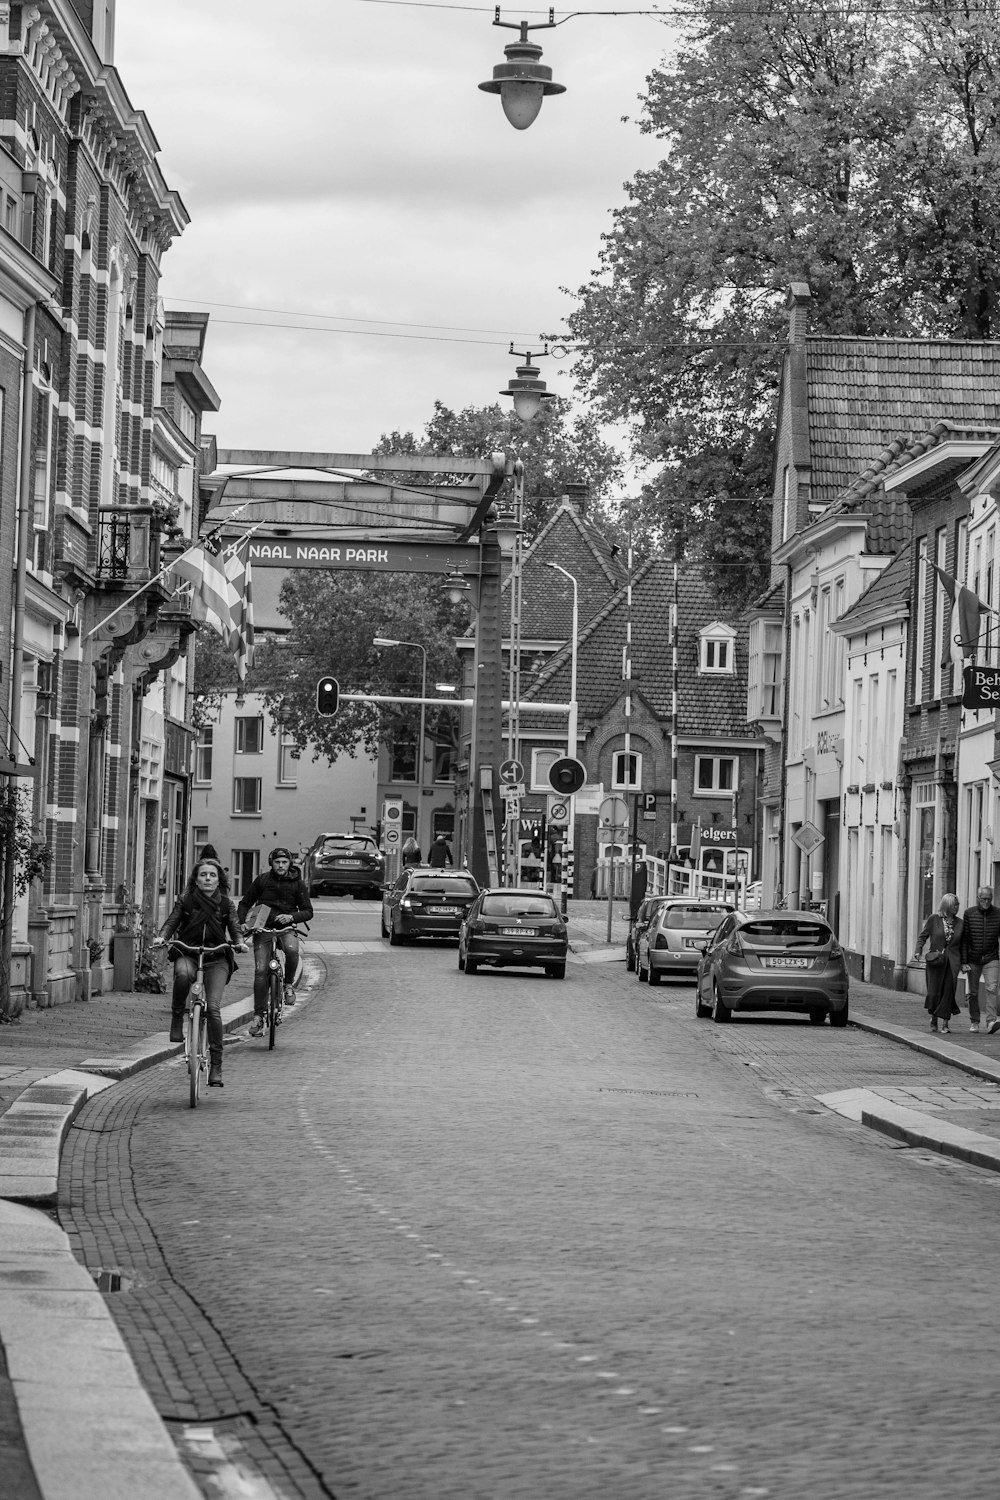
[713, 703]
[892, 586]
[864, 394]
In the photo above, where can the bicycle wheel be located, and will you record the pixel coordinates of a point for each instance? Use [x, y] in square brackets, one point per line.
[195, 1043]
[272, 1008]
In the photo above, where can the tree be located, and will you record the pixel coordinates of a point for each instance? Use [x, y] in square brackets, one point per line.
[556, 449]
[333, 617]
[856, 150]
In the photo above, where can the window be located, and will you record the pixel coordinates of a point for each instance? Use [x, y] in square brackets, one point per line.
[626, 772]
[920, 623]
[541, 763]
[203, 754]
[444, 762]
[45, 430]
[404, 758]
[443, 822]
[714, 774]
[764, 670]
[718, 649]
[199, 838]
[246, 795]
[288, 759]
[940, 632]
[249, 735]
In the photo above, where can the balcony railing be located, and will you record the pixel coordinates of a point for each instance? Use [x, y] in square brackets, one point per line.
[127, 548]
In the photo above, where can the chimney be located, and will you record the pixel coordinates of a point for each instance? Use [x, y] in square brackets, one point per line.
[575, 496]
[797, 302]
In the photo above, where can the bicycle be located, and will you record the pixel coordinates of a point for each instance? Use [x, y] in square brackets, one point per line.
[196, 1016]
[275, 1005]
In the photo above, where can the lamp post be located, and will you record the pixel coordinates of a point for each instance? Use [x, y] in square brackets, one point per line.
[384, 640]
[569, 872]
[522, 81]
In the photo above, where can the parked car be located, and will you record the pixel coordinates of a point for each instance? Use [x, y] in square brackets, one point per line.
[343, 862]
[776, 960]
[672, 940]
[426, 902]
[637, 927]
[516, 928]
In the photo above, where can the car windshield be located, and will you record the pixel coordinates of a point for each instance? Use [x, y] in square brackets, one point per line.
[785, 932]
[345, 844]
[704, 918]
[519, 906]
[447, 885]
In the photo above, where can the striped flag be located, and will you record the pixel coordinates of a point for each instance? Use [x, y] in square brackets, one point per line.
[965, 625]
[221, 598]
[237, 571]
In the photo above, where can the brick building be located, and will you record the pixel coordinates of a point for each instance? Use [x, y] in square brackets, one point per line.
[86, 218]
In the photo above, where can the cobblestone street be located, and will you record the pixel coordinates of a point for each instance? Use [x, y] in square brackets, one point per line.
[500, 1236]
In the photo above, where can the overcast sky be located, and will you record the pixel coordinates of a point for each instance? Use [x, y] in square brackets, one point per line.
[338, 159]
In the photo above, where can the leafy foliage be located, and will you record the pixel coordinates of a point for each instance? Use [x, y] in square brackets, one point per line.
[333, 617]
[556, 448]
[856, 150]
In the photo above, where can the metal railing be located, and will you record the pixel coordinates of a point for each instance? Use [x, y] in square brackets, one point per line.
[125, 543]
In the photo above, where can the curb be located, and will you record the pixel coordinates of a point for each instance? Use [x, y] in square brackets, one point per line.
[915, 1129]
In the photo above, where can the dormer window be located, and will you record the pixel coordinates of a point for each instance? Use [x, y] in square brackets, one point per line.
[718, 649]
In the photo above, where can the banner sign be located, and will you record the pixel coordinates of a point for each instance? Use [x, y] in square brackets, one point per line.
[364, 555]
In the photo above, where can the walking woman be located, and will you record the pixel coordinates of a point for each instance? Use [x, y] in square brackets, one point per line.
[411, 853]
[942, 932]
[203, 916]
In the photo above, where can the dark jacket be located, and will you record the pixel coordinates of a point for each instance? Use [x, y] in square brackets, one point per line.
[203, 921]
[942, 978]
[284, 894]
[980, 935]
[440, 855]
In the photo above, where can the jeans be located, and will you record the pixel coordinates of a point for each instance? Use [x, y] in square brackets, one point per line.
[216, 975]
[990, 973]
[288, 941]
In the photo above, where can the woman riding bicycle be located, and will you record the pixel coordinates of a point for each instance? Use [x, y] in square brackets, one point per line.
[204, 915]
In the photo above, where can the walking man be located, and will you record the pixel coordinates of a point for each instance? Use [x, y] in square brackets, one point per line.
[981, 958]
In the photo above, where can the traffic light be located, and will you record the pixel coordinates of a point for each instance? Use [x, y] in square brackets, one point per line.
[327, 697]
[567, 776]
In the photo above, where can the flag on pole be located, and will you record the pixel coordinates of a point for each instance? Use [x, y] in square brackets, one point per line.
[237, 570]
[222, 598]
[965, 624]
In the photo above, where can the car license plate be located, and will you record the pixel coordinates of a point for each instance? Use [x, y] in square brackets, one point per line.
[443, 911]
[518, 932]
[343, 862]
[787, 963]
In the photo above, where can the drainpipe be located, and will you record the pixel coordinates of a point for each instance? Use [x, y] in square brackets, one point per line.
[17, 640]
[784, 731]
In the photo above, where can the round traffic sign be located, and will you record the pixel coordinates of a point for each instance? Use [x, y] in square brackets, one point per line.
[558, 812]
[391, 838]
[613, 813]
[511, 772]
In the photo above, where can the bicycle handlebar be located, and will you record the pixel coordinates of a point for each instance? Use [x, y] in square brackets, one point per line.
[194, 949]
[273, 932]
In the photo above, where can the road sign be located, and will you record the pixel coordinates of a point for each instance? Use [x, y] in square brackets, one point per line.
[567, 776]
[512, 793]
[511, 772]
[613, 813]
[558, 811]
[392, 838]
[808, 837]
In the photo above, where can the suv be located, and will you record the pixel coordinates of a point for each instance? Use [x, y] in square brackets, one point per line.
[342, 862]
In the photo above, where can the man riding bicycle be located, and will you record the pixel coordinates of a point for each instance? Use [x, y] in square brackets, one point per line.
[283, 891]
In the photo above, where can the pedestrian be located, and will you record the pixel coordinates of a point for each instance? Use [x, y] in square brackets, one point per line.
[981, 958]
[440, 853]
[942, 932]
[203, 917]
[411, 853]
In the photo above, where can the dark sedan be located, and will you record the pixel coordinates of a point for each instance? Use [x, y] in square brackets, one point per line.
[344, 862]
[775, 960]
[514, 928]
[427, 903]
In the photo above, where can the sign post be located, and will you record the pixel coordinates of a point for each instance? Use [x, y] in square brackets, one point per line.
[613, 818]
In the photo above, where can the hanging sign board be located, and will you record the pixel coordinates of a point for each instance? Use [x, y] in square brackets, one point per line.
[981, 687]
[808, 837]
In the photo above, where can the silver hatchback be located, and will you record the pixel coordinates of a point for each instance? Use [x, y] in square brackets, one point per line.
[676, 936]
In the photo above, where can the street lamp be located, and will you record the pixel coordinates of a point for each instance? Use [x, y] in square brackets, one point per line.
[526, 389]
[384, 640]
[522, 81]
[569, 865]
